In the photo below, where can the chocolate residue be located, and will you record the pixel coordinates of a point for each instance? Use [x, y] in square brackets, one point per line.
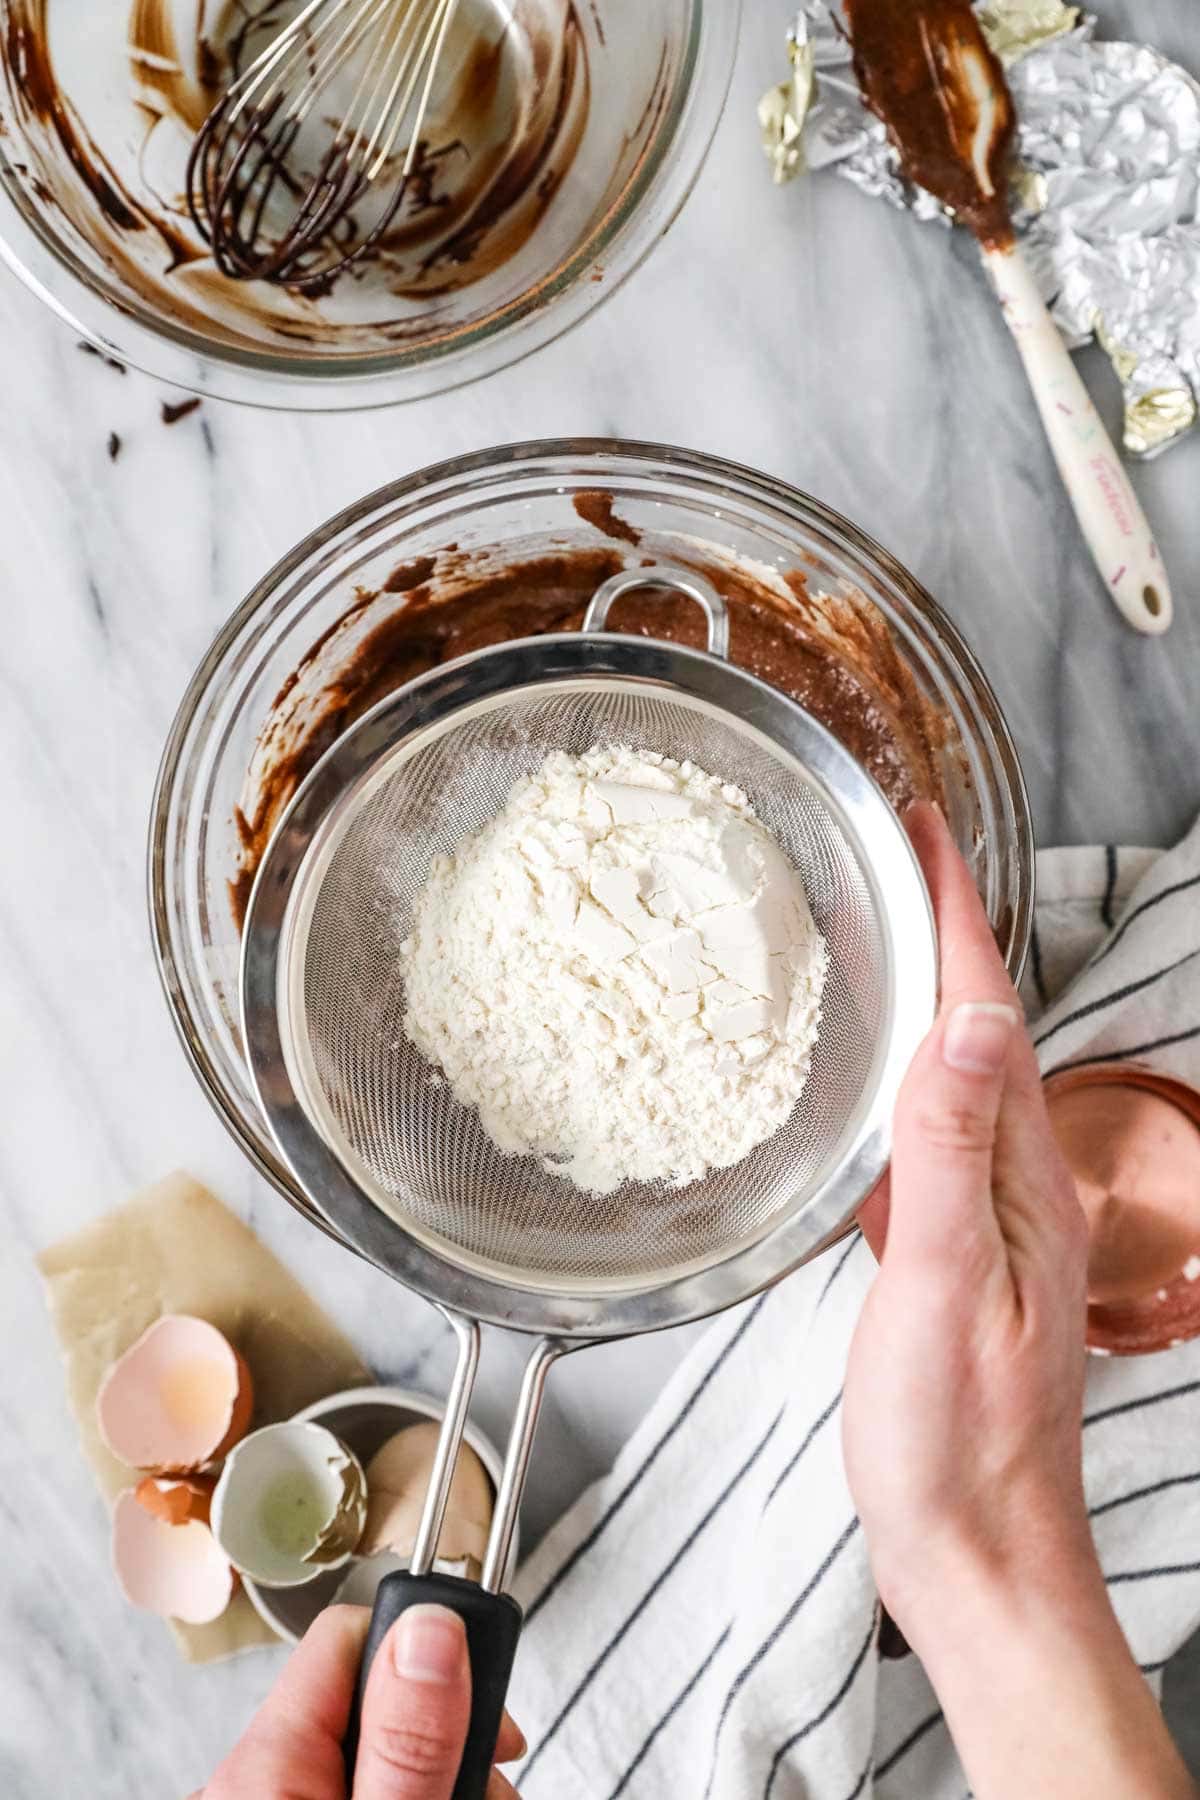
[27, 54]
[836, 658]
[174, 410]
[500, 139]
[410, 575]
[154, 52]
[597, 508]
[91, 350]
[506, 186]
[490, 161]
[27, 58]
[926, 69]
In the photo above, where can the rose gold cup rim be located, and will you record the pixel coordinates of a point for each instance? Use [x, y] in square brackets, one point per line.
[1171, 1315]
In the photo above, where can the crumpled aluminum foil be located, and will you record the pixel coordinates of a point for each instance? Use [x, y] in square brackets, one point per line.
[1106, 188]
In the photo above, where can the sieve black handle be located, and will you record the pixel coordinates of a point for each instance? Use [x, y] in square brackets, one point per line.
[493, 1625]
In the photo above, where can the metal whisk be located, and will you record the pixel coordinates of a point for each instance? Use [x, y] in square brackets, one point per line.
[272, 203]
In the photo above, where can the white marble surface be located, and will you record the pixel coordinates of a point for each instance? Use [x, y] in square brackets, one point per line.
[865, 362]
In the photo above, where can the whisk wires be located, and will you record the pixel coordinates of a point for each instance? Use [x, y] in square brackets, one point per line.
[270, 206]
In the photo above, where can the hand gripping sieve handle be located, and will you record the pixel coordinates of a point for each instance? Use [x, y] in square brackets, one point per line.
[493, 1625]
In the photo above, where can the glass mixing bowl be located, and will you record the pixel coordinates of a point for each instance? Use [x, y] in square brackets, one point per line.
[566, 134]
[294, 639]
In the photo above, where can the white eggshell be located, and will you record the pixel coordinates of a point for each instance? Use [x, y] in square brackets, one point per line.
[365, 1573]
[178, 1571]
[364, 1576]
[290, 1503]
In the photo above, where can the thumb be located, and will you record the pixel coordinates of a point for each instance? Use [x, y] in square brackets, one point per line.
[945, 1133]
[416, 1709]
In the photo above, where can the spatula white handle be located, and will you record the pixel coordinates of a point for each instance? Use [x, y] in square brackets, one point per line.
[1106, 506]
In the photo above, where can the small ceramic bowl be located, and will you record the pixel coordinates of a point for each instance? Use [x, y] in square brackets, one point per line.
[364, 1419]
[1144, 1267]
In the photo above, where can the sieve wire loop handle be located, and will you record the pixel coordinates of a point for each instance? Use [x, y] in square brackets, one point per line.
[492, 1620]
[673, 580]
[450, 1438]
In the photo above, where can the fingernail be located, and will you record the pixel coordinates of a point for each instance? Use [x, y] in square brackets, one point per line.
[977, 1034]
[428, 1644]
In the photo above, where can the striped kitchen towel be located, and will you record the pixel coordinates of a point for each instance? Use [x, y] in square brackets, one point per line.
[703, 1624]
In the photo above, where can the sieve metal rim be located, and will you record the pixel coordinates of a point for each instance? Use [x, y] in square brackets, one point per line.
[289, 875]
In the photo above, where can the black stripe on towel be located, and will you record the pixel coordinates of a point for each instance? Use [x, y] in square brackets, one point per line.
[599, 1661]
[831, 1706]
[1153, 1574]
[1124, 1406]
[842, 1260]
[909, 1743]
[863, 1779]
[687, 1689]
[768, 1644]
[1157, 1487]
[1176, 887]
[1131, 1050]
[614, 1506]
[823, 1418]
[1107, 1000]
[1110, 884]
[807, 1439]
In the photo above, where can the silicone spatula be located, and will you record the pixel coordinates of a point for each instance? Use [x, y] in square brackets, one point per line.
[926, 69]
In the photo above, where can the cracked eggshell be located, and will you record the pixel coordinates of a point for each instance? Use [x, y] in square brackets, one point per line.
[361, 1581]
[179, 1398]
[290, 1503]
[176, 1499]
[177, 1571]
[397, 1477]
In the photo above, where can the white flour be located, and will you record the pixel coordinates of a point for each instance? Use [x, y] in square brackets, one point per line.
[620, 971]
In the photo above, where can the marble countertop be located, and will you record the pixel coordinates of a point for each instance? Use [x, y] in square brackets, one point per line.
[116, 575]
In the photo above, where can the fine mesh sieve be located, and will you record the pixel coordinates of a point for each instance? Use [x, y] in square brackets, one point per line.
[407, 1173]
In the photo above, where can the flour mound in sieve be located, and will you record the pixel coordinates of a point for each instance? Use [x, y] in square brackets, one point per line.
[620, 972]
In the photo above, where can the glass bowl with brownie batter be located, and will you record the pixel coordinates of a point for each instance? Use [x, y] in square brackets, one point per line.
[511, 543]
[562, 137]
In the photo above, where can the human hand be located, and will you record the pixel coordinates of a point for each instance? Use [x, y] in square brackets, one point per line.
[414, 1724]
[962, 1411]
[963, 1400]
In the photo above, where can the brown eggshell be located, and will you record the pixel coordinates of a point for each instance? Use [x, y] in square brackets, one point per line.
[397, 1477]
[242, 1411]
[176, 1571]
[177, 1400]
[176, 1499]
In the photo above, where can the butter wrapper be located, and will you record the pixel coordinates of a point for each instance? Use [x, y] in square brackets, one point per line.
[1106, 169]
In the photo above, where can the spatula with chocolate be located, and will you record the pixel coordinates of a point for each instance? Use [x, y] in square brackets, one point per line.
[926, 69]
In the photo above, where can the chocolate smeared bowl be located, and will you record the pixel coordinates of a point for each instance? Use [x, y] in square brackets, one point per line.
[511, 542]
[562, 137]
